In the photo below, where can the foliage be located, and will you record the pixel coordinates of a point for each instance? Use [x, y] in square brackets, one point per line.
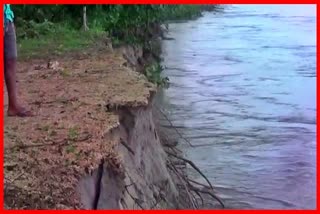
[153, 74]
[120, 21]
[61, 41]
[31, 29]
[59, 25]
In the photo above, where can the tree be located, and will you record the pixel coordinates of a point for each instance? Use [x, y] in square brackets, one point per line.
[84, 19]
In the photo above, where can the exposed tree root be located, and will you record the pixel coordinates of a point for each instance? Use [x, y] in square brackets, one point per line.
[157, 202]
[187, 182]
[126, 146]
[136, 200]
[172, 126]
[200, 184]
[188, 186]
[139, 202]
[201, 198]
[98, 186]
[191, 198]
[193, 166]
[208, 193]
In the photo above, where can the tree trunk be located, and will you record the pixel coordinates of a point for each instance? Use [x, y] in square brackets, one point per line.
[84, 16]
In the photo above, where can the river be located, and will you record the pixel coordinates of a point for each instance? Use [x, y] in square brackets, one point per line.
[243, 91]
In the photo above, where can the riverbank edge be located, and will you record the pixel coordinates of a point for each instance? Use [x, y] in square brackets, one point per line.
[145, 169]
[187, 193]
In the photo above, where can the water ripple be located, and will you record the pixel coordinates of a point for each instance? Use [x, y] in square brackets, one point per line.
[243, 90]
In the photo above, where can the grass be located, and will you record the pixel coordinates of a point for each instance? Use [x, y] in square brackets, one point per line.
[58, 42]
[65, 73]
[70, 149]
[43, 40]
[73, 133]
[48, 38]
[153, 74]
[183, 12]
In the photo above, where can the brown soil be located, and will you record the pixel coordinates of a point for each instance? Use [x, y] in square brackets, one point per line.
[45, 155]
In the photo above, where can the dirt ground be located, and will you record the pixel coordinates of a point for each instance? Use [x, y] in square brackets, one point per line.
[46, 154]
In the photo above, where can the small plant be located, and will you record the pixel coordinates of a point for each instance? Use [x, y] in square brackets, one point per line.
[70, 149]
[65, 73]
[153, 74]
[73, 133]
[78, 155]
[52, 133]
[45, 128]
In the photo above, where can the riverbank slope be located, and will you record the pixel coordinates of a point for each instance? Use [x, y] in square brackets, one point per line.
[94, 142]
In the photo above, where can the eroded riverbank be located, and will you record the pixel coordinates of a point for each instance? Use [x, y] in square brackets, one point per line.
[94, 142]
[243, 91]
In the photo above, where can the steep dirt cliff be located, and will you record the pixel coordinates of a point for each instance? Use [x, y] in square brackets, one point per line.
[93, 143]
[143, 180]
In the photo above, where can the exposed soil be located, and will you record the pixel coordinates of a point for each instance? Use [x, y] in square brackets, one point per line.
[94, 142]
[45, 155]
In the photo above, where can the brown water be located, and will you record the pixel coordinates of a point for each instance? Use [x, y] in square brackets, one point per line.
[243, 89]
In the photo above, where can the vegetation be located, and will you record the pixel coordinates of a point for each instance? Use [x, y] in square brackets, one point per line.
[119, 21]
[153, 73]
[55, 28]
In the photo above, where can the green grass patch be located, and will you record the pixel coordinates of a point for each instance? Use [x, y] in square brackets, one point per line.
[57, 41]
[73, 133]
[56, 30]
[153, 74]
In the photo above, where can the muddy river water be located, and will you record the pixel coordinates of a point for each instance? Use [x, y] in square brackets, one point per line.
[243, 90]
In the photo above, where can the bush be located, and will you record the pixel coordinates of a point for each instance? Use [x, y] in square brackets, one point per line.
[129, 24]
[153, 74]
[123, 22]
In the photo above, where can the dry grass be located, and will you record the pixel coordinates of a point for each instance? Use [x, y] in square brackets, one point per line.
[45, 155]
